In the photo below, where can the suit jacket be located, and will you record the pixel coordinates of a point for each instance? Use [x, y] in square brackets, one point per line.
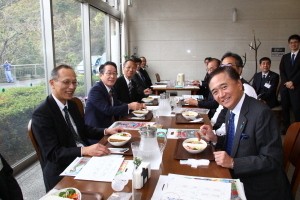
[98, 110]
[289, 73]
[146, 76]
[267, 94]
[204, 89]
[9, 187]
[122, 91]
[211, 104]
[257, 152]
[55, 140]
[141, 85]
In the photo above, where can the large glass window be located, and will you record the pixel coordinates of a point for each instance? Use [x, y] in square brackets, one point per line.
[22, 77]
[98, 42]
[115, 41]
[68, 38]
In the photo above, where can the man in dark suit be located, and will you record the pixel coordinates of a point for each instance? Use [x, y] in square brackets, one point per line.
[290, 82]
[60, 130]
[139, 78]
[103, 107]
[144, 72]
[265, 83]
[203, 85]
[9, 187]
[126, 88]
[252, 147]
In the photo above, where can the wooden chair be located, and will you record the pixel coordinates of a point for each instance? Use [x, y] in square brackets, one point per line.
[278, 109]
[291, 150]
[34, 142]
[80, 105]
[159, 81]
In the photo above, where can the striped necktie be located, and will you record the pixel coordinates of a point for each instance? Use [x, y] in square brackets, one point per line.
[130, 88]
[230, 133]
[77, 138]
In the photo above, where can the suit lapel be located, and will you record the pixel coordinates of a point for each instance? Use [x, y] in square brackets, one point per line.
[242, 121]
[102, 86]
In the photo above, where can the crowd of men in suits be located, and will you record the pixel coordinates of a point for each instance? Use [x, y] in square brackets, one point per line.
[243, 127]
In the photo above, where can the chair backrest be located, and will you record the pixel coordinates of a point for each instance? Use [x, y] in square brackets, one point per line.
[157, 77]
[291, 149]
[34, 142]
[79, 104]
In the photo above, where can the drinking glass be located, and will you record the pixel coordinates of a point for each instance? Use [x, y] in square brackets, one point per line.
[135, 148]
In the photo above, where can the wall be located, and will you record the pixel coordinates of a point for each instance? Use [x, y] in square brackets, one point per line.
[164, 31]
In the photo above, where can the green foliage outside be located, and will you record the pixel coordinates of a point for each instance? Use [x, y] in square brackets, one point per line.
[16, 107]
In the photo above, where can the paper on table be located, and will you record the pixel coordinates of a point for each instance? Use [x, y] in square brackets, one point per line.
[181, 133]
[74, 168]
[159, 86]
[100, 169]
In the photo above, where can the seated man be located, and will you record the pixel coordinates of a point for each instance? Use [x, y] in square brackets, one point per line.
[252, 147]
[139, 78]
[59, 128]
[126, 88]
[204, 90]
[265, 83]
[144, 72]
[10, 188]
[103, 107]
[211, 103]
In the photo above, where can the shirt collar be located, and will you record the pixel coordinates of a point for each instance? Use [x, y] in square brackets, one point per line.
[127, 81]
[295, 53]
[238, 107]
[266, 74]
[59, 103]
[108, 88]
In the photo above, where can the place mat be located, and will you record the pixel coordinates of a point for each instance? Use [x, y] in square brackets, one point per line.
[153, 103]
[127, 145]
[182, 154]
[179, 119]
[132, 117]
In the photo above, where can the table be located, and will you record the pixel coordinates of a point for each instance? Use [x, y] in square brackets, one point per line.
[168, 165]
[193, 90]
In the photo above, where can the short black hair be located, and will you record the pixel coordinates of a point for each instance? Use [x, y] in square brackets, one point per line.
[230, 71]
[218, 61]
[102, 67]
[238, 59]
[208, 58]
[127, 61]
[137, 60]
[295, 37]
[54, 72]
[264, 58]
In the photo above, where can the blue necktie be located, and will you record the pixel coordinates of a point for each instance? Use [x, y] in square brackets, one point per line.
[230, 133]
[293, 59]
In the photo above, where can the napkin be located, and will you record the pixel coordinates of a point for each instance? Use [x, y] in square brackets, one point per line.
[195, 163]
[197, 120]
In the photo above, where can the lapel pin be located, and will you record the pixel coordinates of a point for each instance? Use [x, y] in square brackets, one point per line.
[242, 125]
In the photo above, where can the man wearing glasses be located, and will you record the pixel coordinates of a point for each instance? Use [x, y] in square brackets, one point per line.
[103, 106]
[59, 128]
[290, 79]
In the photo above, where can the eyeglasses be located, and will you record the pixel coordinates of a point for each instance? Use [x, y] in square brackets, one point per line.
[130, 67]
[227, 65]
[111, 74]
[210, 69]
[294, 42]
[67, 83]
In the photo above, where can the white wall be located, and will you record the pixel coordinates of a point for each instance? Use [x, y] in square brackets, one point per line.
[164, 30]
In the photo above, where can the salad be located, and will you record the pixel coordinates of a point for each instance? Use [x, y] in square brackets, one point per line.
[70, 194]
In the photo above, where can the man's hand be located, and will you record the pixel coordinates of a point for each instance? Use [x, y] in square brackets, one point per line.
[147, 91]
[289, 85]
[136, 106]
[95, 150]
[191, 101]
[111, 131]
[206, 131]
[223, 159]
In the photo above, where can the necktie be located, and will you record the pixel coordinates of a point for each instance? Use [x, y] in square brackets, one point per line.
[111, 97]
[130, 88]
[293, 59]
[75, 135]
[264, 77]
[230, 133]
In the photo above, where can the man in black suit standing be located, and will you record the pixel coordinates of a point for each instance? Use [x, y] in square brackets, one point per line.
[126, 88]
[59, 128]
[144, 72]
[252, 147]
[265, 83]
[290, 82]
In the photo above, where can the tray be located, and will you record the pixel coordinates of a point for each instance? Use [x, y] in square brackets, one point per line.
[153, 103]
[179, 119]
[127, 145]
[181, 154]
[90, 196]
[148, 117]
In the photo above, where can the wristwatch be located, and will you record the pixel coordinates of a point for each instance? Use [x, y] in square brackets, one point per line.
[232, 164]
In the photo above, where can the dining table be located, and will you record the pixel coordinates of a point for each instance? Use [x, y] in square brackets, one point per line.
[158, 89]
[168, 165]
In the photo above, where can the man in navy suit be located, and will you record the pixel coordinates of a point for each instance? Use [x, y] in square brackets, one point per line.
[252, 147]
[103, 106]
[59, 128]
[290, 82]
[144, 71]
[126, 88]
[265, 83]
